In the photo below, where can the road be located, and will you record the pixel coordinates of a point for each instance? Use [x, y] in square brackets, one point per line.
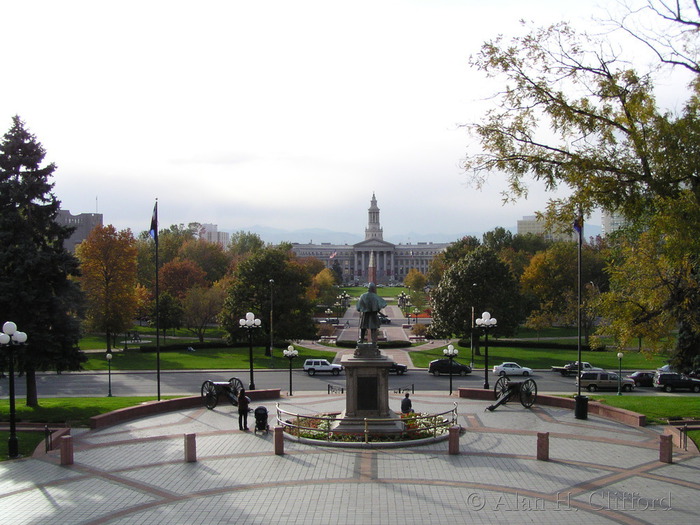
[183, 383]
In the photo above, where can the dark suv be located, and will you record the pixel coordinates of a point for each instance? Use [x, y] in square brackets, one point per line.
[442, 366]
[670, 381]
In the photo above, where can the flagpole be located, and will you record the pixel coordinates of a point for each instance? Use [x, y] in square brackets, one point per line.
[154, 234]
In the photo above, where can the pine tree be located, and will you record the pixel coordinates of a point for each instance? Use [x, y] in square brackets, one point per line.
[36, 289]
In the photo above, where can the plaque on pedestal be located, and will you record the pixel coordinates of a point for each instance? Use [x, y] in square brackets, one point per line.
[367, 392]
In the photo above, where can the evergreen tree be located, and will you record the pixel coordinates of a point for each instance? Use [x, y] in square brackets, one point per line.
[36, 289]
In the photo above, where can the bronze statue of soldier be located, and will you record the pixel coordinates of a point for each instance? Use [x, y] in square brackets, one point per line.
[369, 306]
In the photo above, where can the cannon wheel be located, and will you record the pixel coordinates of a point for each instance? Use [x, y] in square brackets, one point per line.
[236, 385]
[209, 394]
[501, 387]
[528, 393]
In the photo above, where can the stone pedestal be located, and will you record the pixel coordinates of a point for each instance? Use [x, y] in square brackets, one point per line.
[367, 392]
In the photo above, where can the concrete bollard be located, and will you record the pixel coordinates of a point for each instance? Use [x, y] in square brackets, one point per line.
[279, 441]
[190, 448]
[67, 450]
[453, 440]
[666, 449]
[543, 446]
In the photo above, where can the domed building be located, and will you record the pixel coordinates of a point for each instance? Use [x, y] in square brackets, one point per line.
[373, 259]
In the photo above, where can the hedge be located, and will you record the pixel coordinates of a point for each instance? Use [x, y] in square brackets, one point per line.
[346, 343]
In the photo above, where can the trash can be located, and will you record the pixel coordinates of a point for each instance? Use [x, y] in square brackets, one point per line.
[581, 407]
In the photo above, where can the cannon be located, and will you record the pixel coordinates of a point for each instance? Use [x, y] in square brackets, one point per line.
[505, 390]
[212, 390]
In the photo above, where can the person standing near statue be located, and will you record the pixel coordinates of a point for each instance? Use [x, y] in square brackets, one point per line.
[369, 305]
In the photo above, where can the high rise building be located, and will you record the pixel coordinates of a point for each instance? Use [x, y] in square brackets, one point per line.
[211, 233]
[83, 224]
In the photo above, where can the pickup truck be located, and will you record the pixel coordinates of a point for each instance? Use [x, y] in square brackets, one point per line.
[570, 369]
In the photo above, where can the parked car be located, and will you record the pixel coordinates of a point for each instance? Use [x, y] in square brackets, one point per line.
[642, 378]
[442, 366]
[604, 381]
[572, 368]
[311, 366]
[398, 369]
[511, 369]
[383, 318]
[665, 368]
[670, 381]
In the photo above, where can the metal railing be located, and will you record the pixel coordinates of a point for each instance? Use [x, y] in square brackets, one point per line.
[408, 388]
[415, 426]
[334, 389]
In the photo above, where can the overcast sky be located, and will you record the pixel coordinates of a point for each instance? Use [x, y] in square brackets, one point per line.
[283, 113]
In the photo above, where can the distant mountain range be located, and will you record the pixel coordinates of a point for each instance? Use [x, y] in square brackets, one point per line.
[319, 235]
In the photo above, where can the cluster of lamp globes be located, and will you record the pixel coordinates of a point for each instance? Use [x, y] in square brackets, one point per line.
[450, 351]
[290, 352]
[10, 333]
[485, 321]
[249, 321]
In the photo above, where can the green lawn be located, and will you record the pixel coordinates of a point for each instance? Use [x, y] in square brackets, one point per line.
[204, 359]
[539, 358]
[27, 442]
[658, 409]
[73, 411]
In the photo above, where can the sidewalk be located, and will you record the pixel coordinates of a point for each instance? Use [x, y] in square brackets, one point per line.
[599, 472]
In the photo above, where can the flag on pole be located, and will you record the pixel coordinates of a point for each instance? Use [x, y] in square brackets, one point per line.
[578, 227]
[153, 231]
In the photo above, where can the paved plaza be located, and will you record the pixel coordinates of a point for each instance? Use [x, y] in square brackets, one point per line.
[599, 471]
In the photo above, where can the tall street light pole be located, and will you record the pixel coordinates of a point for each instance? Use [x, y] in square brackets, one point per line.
[109, 374]
[250, 323]
[619, 374]
[451, 352]
[9, 337]
[290, 353]
[486, 323]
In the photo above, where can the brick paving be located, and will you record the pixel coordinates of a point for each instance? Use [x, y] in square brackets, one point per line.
[600, 472]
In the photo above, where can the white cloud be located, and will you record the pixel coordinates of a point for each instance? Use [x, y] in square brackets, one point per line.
[284, 114]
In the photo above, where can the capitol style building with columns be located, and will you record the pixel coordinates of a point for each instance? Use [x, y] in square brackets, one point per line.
[392, 262]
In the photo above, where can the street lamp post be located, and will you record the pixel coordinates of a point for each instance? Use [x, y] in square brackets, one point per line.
[109, 374]
[9, 337]
[619, 374]
[486, 322]
[451, 352]
[250, 323]
[471, 339]
[338, 307]
[290, 353]
[415, 315]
